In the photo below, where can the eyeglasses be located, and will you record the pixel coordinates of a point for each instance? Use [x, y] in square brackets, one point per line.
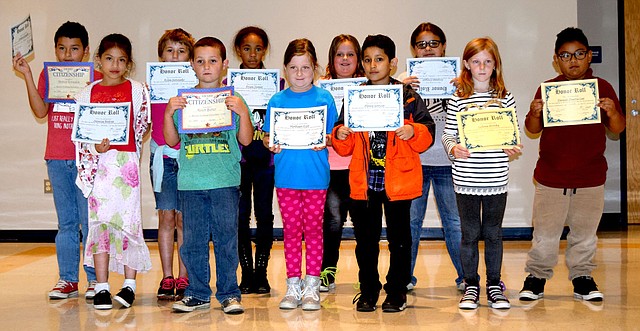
[431, 43]
[579, 55]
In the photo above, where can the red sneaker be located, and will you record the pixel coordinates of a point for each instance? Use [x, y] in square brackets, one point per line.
[64, 290]
[165, 291]
[181, 285]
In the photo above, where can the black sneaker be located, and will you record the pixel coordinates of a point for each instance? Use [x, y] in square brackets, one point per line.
[585, 288]
[188, 304]
[394, 302]
[102, 300]
[165, 290]
[533, 288]
[496, 298]
[365, 302]
[125, 297]
[470, 298]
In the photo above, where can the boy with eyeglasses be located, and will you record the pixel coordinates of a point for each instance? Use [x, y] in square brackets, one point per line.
[570, 176]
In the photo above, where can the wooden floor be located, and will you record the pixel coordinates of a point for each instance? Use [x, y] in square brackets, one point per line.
[28, 271]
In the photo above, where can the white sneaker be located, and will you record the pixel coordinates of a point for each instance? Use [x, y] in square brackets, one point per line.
[292, 298]
[91, 290]
[311, 293]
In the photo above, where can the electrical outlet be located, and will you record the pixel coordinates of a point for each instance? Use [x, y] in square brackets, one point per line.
[47, 186]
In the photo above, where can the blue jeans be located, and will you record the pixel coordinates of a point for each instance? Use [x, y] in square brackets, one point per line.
[481, 218]
[73, 217]
[168, 198]
[210, 215]
[448, 210]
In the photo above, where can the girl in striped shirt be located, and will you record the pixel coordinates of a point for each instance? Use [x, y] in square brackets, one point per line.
[480, 178]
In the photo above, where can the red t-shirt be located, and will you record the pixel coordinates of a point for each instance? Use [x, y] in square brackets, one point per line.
[573, 156]
[59, 144]
[117, 93]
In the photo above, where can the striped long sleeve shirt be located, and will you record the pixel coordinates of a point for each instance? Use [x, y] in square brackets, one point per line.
[484, 172]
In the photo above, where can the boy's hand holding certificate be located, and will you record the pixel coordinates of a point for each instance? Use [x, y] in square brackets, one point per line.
[487, 129]
[571, 102]
[65, 79]
[206, 111]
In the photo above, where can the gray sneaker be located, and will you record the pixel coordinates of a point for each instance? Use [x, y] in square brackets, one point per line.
[232, 306]
[292, 298]
[311, 293]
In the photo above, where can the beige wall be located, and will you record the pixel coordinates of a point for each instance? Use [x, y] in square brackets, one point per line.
[524, 30]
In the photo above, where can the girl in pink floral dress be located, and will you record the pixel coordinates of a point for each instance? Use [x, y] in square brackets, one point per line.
[109, 175]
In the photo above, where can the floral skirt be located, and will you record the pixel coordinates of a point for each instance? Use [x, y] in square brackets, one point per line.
[115, 220]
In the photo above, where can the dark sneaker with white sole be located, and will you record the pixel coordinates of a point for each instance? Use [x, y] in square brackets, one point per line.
[394, 303]
[102, 300]
[470, 298]
[189, 303]
[585, 288]
[533, 288]
[125, 297]
[496, 298]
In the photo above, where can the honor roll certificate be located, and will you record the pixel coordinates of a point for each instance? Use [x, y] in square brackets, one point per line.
[64, 79]
[435, 75]
[206, 111]
[166, 78]
[571, 102]
[96, 121]
[373, 107]
[336, 87]
[22, 38]
[256, 86]
[486, 129]
[298, 128]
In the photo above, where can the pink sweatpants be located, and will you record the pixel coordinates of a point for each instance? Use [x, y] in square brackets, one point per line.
[302, 212]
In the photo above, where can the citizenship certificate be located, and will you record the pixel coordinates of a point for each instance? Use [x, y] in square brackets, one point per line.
[571, 102]
[373, 107]
[298, 128]
[206, 111]
[22, 38]
[96, 121]
[166, 78]
[487, 129]
[256, 86]
[64, 79]
[336, 87]
[435, 75]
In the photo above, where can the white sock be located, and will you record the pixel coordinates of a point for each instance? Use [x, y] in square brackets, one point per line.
[101, 286]
[130, 283]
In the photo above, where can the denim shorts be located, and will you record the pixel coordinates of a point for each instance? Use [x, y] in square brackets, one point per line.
[168, 198]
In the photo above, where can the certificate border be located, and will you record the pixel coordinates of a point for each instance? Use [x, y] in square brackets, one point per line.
[210, 129]
[548, 119]
[462, 117]
[47, 65]
[454, 61]
[81, 108]
[319, 142]
[232, 74]
[351, 91]
[154, 66]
